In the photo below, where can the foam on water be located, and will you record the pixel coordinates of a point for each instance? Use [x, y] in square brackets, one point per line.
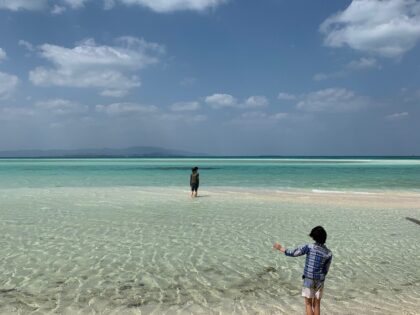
[148, 250]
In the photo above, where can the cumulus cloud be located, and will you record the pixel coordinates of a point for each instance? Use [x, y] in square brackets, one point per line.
[61, 107]
[185, 106]
[332, 100]
[255, 101]
[26, 45]
[8, 85]
[397, 116]
[89, 65]
[169, 5]
[383, 27]
[121, 109]
[114, 93]
[220, 100]
[57, 9]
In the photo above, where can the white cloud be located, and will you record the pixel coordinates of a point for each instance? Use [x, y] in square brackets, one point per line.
[286, 96]
[89, 65]
[61, 107]
[185, 106]
[363, 63]
[332, 100]
[58, 9]
[114, 93]
[219, 100]
[8, 84]
[386, 28]
[397, 116]
[121, 109]
[26, 44]
[169, 5]
[16, 5]
[109, 79]
[255, 101]
[3, 55]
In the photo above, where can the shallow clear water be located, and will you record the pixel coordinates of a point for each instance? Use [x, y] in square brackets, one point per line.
[256, 173]
[152, 250]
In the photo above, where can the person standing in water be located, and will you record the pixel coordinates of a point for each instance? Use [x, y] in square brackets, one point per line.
[194, 181]
[317, 265]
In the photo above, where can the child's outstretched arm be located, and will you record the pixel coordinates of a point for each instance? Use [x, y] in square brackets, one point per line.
[302, 250]
[279, 247]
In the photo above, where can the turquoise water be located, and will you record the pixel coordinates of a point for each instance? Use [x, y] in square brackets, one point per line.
[331, 174]
[122, 236]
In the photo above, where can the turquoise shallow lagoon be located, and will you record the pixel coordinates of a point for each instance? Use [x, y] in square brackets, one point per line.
[123, 237]
[331, 174]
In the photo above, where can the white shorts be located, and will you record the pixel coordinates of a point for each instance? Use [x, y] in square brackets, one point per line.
[312, 288]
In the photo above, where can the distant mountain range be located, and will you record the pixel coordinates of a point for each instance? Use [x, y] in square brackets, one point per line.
[96, 153]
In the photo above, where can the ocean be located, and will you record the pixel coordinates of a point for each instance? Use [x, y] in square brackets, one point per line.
[122, 236]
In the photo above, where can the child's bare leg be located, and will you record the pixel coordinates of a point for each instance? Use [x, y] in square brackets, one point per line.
[317, 306]
[308, 305]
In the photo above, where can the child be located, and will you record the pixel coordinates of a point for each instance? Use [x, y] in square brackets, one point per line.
[318, 260]
[194, 181]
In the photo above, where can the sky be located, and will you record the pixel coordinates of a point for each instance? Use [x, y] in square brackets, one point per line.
[221, 77]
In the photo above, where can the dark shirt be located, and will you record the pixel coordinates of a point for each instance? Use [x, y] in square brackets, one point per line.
[194, 179]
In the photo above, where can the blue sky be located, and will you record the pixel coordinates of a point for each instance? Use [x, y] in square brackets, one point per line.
[227, 77]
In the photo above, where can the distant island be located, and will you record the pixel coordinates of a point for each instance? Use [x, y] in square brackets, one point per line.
[99, 153]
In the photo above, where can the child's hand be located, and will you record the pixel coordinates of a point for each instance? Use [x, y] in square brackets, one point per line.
[277, 246]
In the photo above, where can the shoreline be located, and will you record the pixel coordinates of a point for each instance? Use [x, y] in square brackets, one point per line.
[386, 199]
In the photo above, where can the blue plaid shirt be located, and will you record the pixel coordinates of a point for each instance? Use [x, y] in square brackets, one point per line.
[318, 260]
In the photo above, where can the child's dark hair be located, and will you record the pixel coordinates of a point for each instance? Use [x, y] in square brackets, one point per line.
[195, 169]
[318, 234]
